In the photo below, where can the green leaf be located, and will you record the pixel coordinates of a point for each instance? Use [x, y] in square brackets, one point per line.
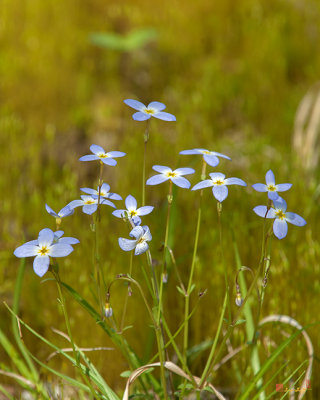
[239, 322]
[125, 374]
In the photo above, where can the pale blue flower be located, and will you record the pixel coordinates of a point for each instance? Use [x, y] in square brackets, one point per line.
[104, 192]
[141, 235]
[47, 245]
[210, 157]
[100, 154]
[132, 212]
[219, 185]
[154, 109]
[67, 240]
[281, 217]
[89, 204]
[175, 176]
[64, 212]
[271, 186]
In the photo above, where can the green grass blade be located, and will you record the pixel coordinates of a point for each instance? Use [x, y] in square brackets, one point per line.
[15, 330]
[6, 393]
[268, 363]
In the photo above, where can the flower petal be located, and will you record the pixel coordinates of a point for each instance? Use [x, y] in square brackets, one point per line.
[114, 196]
[272, 195]
[69, 240]
[140, 116]
[89, 157]
[193, 151]
[65, 211]
[116, 154]
[147, 234]
[161, 168]
[96, 149]
[131, 203]
[41, 265]
[104, 187]
[220, 192]
[60, 249]
[26, 250]
[211, 160]
[217, 175]
[280, 204]
[141, 248]
[145, 210]
[137, 105]
[203, 184]
[282, 187]
[165, 116]
[184, 171]
[127, 244]
[156, 179]
[89, 208]
[262, 212]
[295, 219]
[260, 187]
[45, 237]
[181, 182]
[235, 181]
[120, 213]
[89, 191]
[220, 155]
[75, 203]
[280, 228]
[51, 212]
[137, 232]
[58, 234]
[109, 161]
[270, 180]
[156, 105]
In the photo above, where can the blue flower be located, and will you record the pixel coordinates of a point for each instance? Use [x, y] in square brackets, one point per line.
[175, 176]
[281, 216]
[271, 186]
[64, 212]
[67, 240]
[100, 154]
[219, 185]
[210, 157]
[154, 109]
[104, 192]
[141, 235]
[42, 249]
[89, 203]
[132, 211]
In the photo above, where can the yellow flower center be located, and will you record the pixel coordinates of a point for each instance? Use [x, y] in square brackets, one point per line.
[219, 182]
[280, 214]
[171, 174]
[206, 152]
[89, 201]
[43, 251]
[149, 111]
[271, 188]
[141, 240]
[132, 213]
[103, 155]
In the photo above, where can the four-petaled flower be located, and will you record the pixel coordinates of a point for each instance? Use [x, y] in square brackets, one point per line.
[89, 203]
[132, 212]
[210, 157]
[175, 176]
[281, 216]
[154, 109]
[100, 154]
[47, 245]
[142, 235]
[219, 185]
[64, 212]
[271, 186]
[104, 192]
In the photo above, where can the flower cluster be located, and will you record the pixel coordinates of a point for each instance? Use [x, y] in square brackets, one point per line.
[278, 211]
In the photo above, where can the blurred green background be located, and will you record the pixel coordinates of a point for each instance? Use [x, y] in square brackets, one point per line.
[233, 73]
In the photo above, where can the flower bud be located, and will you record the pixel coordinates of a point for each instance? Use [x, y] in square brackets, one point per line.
[107, 310]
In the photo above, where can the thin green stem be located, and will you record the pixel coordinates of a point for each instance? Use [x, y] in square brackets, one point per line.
[128, 294]
[67, 321]
[195, 249]
[145, 140]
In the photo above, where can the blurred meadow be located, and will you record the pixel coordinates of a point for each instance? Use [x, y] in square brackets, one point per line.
[234, 74]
